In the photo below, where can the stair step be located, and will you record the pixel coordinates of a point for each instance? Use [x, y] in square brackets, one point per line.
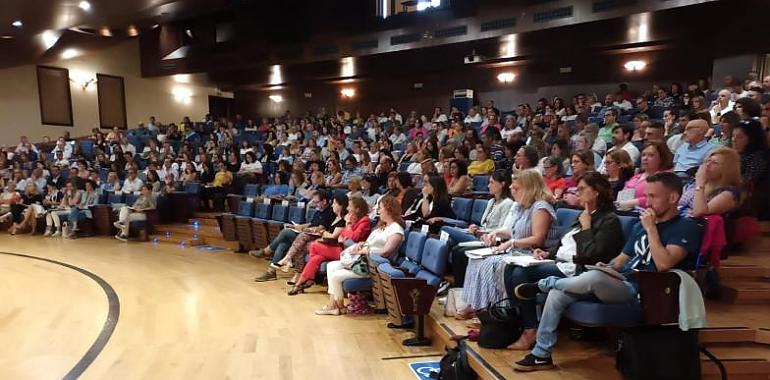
[188, 230]
[204, 222]
[748, 292]
[743, 272]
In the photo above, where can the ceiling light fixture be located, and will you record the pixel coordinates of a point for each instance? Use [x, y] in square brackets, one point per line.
[69, 53]
[276, 98]
[84, 5]
[17, 24]
[49, 38]
[132, 31]
[348, 67]
[506, 77]
[348, 92]
[6, 37]
[276, 77]
[105, 31]
[635, 65]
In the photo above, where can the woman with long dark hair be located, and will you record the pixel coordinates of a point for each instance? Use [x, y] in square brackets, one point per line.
[592, 238]
[434, 204]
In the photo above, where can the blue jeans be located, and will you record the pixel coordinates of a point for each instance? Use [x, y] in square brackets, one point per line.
[516, 275]
[458, 235]
[281, 244]
[564, 291]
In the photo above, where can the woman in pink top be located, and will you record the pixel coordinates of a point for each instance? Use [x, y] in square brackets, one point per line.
[656, 157]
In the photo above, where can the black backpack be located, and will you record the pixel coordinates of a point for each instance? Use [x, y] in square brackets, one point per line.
[454, 364]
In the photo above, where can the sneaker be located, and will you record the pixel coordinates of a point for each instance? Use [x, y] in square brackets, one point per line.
[56, 234]
[256, 253]
[443, 289]
[121, 237]
[533, 363]
[47, 233]
[526, 291]
[267, 276]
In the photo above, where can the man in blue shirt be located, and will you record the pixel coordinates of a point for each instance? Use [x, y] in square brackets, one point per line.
[662, 240]
[695, 149]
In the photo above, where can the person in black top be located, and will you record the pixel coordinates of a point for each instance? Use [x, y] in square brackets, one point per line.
[281, 243]
[434, 204]
[30, 196]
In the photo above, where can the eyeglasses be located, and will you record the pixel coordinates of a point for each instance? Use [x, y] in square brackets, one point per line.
[608, 162]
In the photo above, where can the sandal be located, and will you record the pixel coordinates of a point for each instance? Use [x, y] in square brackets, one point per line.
[300, 288]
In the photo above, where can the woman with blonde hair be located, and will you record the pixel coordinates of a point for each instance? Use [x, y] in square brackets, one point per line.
[384, 240]
[717, 185]
[529, 225]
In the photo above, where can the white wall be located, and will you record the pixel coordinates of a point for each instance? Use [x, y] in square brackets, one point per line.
[20, 108]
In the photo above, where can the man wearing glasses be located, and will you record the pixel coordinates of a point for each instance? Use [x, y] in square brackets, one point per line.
[132, 184]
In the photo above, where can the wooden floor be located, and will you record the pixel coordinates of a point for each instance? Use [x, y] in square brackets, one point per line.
[184, 314]
[187, 313]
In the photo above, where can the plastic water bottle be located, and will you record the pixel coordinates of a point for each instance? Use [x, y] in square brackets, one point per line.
[65, 229]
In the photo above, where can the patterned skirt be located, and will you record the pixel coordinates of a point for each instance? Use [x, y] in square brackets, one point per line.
[484, 284]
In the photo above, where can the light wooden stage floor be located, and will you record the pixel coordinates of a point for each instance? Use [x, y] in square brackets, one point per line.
[186, 313]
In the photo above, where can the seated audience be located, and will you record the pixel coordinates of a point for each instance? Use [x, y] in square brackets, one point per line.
[433, 205]
[458, 182]
[592, 238]
[662, 240]
[483, 164]
[694, 149]
[384, 241]
[582, 162]
[553, 174]
[529, 226]
[281, 243]
[328, 248]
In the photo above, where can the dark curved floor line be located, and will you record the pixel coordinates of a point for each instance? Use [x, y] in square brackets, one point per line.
[109, 325]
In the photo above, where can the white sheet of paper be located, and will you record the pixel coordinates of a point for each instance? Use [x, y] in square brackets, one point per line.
[249, 200]
[266, 201]
[285, 203]
[444, 236]
[525, 260]
[301, 204]
[425, 229]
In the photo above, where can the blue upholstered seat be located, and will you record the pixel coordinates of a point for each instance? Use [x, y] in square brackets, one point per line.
[434, 261]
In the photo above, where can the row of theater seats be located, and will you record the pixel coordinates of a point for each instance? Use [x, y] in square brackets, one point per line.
[421, 256]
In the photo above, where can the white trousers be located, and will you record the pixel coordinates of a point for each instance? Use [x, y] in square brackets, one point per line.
[125, 217]
[336, 274]
[53, 218]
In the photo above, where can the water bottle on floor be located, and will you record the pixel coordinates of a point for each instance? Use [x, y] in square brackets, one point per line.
[65, 229]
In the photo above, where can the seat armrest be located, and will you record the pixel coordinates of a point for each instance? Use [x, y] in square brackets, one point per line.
[659, 297]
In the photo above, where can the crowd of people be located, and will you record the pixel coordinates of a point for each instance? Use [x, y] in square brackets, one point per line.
[668, 154]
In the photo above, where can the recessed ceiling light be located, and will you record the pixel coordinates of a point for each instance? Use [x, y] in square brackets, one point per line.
[69, 53]
[105, 31]
[132, 31]
[6, 37]
[17, 24]
[84, 5]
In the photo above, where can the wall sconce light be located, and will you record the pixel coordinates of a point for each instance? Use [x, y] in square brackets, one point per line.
[276, 98]
[506, 77]
[182, 95]
[348, 92]
[82, 79]
[635, 65]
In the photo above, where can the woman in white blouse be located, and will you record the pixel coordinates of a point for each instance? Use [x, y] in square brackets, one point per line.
[384, 240]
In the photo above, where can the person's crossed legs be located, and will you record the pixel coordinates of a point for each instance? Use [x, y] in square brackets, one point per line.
[562, 292]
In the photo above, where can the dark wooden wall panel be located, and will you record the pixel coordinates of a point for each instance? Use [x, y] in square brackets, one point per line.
[53, 85]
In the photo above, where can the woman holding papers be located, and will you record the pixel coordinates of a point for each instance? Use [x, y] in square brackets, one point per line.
[595, 236]
[529, 225]
[464, 239]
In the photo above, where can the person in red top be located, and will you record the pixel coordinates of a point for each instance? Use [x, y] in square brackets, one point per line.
[553, 174]
[356, 229]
